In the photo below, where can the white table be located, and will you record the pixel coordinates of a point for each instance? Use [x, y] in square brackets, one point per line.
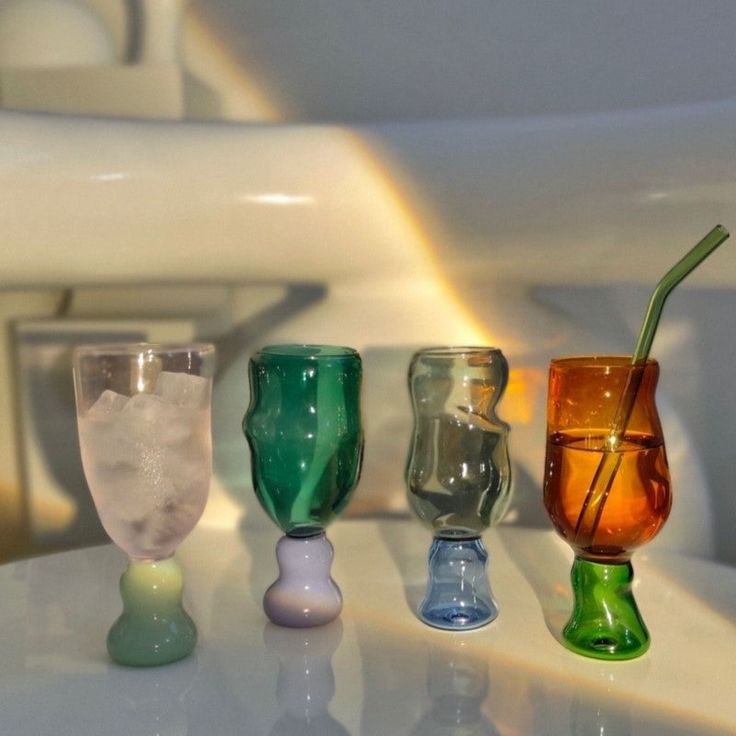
[378, 671]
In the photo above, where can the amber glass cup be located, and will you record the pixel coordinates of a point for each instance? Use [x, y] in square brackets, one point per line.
[604, 522]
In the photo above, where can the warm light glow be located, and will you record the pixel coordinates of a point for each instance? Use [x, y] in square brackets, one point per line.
[412, 216]
[520, 398]
[141, 384]
[111, 176]
[280, 199]
[209, 59]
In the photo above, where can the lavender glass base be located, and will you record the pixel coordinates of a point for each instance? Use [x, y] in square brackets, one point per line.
[304, 594]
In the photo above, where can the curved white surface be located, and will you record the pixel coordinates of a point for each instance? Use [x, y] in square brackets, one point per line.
[51, 33]
[589, 199]
[377, 670]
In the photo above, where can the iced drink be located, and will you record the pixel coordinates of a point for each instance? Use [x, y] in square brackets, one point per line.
[148, 461]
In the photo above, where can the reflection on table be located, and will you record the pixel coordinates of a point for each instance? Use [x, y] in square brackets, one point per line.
[377, 670]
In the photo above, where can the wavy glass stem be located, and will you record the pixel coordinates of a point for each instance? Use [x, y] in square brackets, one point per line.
[154, 628]
[458, 595]
[605, 622]
[304, 594]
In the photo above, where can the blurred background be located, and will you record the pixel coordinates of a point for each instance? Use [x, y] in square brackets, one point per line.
[384, 175]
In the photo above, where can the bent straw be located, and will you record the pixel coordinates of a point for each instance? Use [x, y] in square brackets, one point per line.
[600, 486]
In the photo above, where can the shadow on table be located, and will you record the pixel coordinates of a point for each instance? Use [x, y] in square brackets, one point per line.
[541, 559]
[547, 572]
[404, 543]
[546, 568]
[260, 535]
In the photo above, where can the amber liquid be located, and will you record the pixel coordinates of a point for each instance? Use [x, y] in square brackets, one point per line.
[636, 507]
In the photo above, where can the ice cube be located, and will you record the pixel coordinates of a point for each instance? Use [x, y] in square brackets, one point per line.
[125, 495]
[149, 467]
[149, 421]
[170, 523]
[182, 389]
[108, 403]
[145, 406]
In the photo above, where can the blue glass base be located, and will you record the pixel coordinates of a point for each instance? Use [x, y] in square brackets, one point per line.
[458, 595]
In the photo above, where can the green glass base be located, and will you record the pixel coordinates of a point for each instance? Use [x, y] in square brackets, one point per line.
[154, 628]
[605, 622]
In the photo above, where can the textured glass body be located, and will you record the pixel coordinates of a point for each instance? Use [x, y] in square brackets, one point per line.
[458, 474]
[582, 401]
[303, 426]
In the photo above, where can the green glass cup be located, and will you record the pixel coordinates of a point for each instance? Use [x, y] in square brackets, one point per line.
[303, 427]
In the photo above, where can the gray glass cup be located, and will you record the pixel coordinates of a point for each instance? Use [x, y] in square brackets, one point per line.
[458, 476]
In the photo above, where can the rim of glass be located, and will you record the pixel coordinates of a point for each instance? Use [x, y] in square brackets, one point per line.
[453, 351]
[307, 351]
[138, 348]
[596, 361]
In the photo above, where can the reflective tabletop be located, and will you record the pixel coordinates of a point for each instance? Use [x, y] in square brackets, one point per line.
[377, 670]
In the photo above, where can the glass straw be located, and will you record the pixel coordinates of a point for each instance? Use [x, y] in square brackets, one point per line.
[600, 486]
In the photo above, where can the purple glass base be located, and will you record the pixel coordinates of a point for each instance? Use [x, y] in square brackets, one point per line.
[304, 594]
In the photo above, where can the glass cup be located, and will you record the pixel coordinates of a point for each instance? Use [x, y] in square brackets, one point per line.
[606, 495]
[458, 476]
[143, 413]
[304, 430]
